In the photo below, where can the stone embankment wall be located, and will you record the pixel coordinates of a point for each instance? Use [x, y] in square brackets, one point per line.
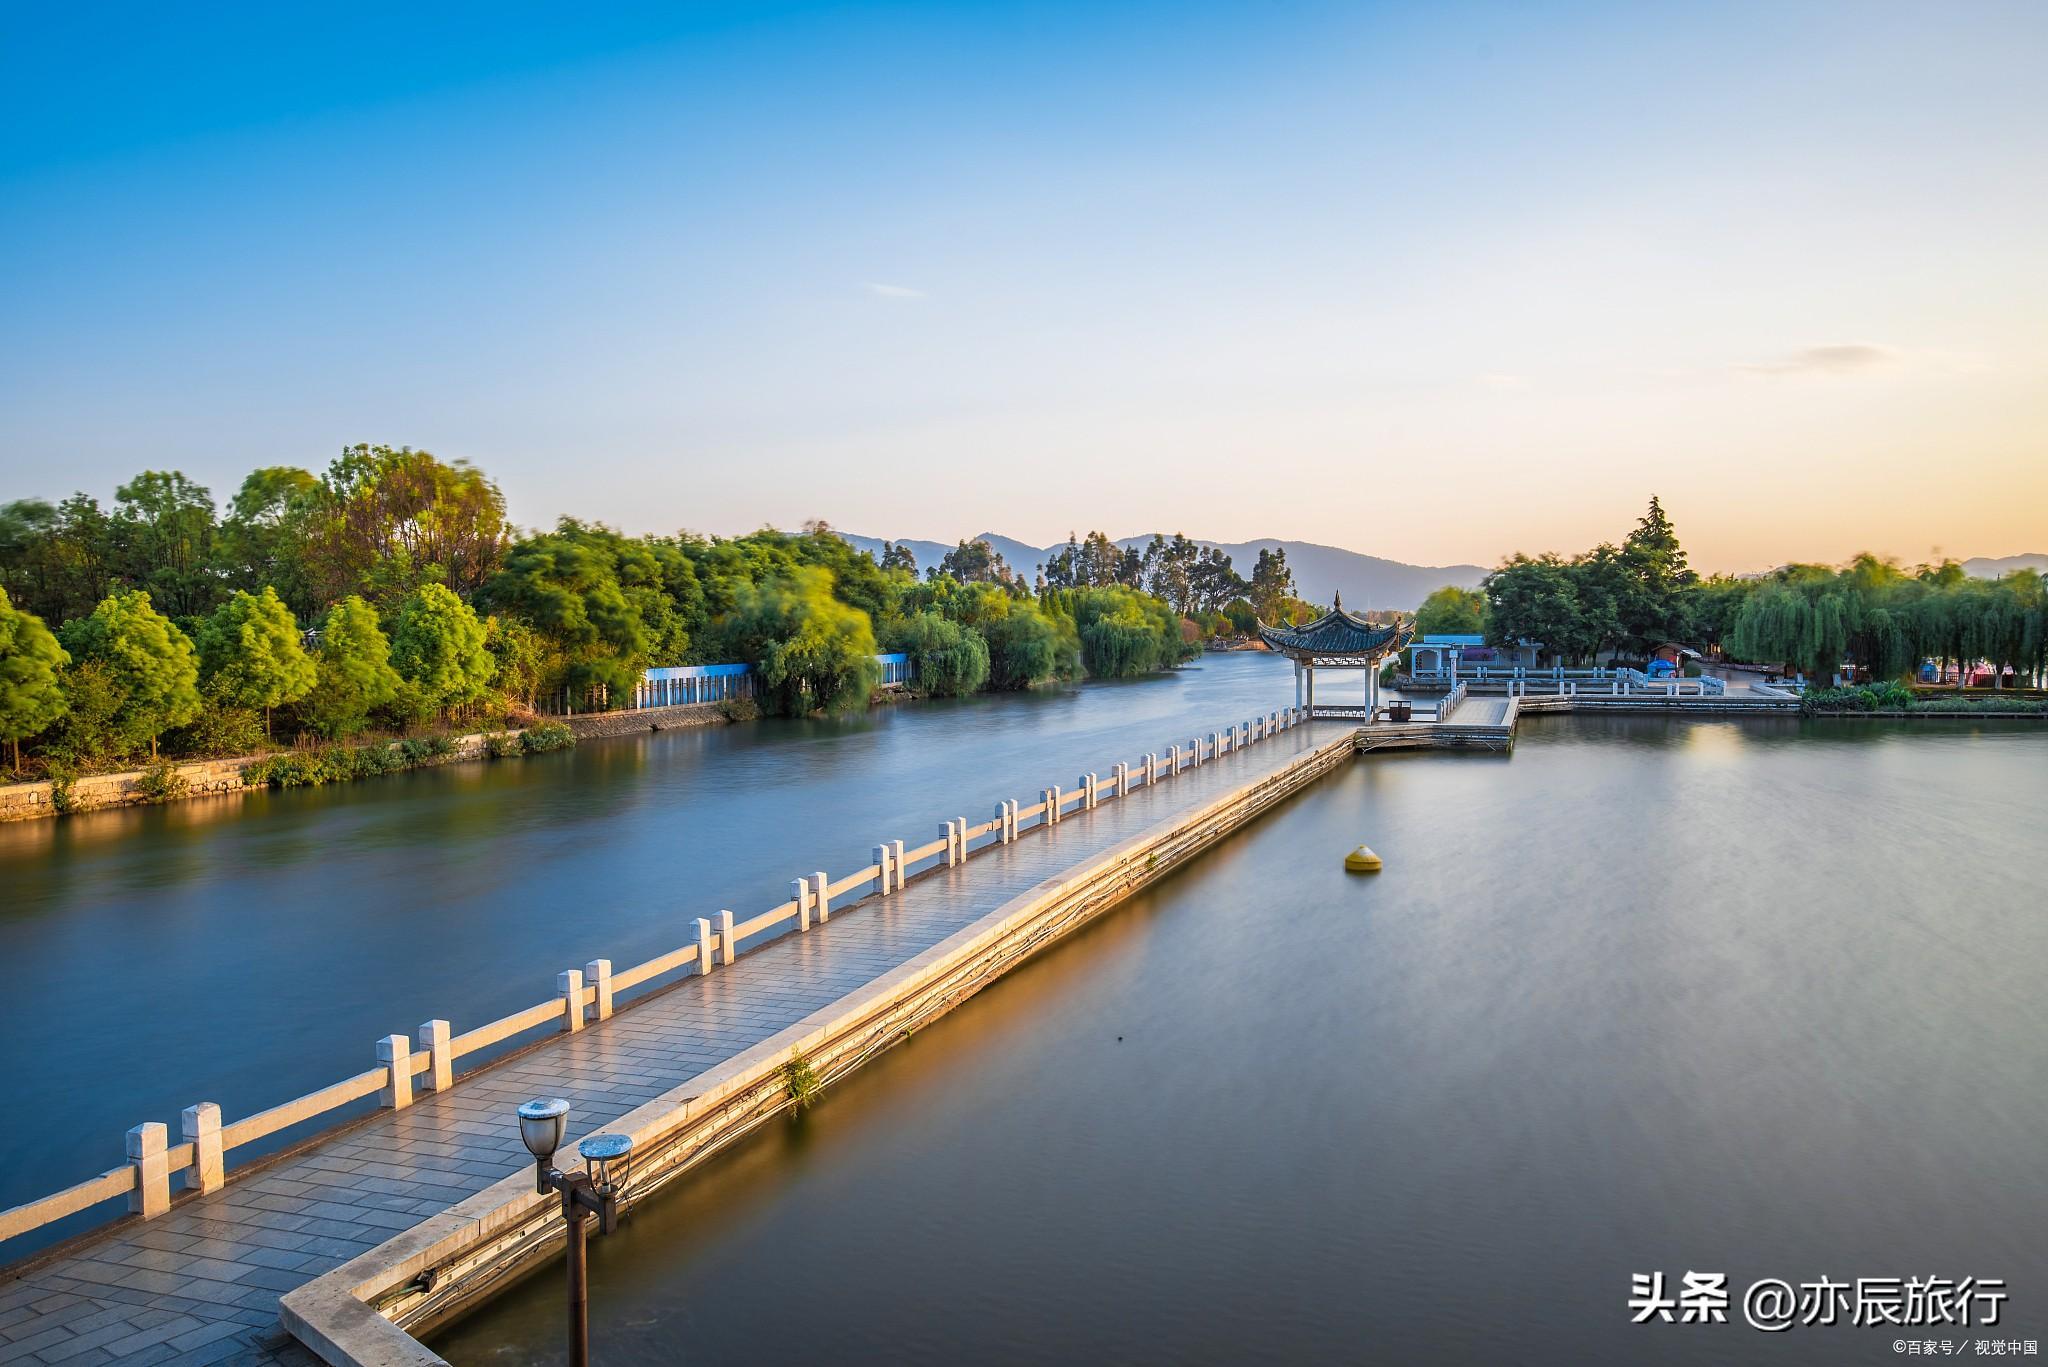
[24, 801]
[202, 778]
[212, 777]
[595, 724]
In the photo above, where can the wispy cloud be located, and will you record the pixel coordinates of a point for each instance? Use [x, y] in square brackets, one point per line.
[882, 291]
[1853, 358]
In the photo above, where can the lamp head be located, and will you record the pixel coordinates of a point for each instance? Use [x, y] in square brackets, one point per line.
[542, 1124]
[606, 1155]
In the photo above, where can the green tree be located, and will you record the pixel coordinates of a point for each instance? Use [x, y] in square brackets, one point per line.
[1452, 611]
[1174, 571]
[250, 655]
[56, 561]
[1121, 633]
[1711, 607]
[149, 665]
[974, 562]
[387, 521]
[352, 665]
[1272, 584]
[1533, 598]
[1798, 618]
[438, 648]
[163, 534]
[1023, 647]
[1654, 578]
[813, 651]
[525, 662]
[262, 541]
[607, 602]
[31, 669]
[950, 660]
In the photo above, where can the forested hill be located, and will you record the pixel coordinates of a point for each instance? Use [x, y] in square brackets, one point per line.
[1367, 581]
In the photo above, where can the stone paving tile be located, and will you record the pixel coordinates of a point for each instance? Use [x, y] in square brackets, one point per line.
[200, 1285]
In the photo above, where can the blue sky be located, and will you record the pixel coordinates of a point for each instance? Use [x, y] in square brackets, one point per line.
[927, 270]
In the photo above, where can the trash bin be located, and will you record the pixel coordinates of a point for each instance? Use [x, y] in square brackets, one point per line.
[1402, 711]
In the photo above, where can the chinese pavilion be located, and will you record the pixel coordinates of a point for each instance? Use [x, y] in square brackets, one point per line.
[1336, 640]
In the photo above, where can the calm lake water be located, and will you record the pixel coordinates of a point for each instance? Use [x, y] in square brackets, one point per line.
[248, 950]
[1760, 998]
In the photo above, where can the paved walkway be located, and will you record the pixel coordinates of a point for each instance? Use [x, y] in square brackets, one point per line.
[201, 1283]
[1480, 709]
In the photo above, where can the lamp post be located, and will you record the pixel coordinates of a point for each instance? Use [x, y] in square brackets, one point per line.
[593, 1191]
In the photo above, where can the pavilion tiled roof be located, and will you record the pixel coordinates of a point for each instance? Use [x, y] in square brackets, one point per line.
[1336, 632]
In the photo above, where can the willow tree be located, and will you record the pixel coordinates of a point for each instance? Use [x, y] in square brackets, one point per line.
[813, 651]
[1121, 633]
[950, 660]
[1793, 619]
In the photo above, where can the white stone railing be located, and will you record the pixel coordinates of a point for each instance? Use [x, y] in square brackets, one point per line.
[426, 1062]
[1622, 683]
[368, 1310]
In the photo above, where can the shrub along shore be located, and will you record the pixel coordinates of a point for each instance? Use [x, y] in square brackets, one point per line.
[1896, 699]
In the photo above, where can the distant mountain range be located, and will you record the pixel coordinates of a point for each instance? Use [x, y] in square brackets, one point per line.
[1320, 572]
[1984, 567]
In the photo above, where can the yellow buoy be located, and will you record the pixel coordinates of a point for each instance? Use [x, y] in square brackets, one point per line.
[1362, 860]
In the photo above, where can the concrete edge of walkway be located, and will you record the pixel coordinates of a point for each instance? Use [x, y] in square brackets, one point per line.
[362, 1311]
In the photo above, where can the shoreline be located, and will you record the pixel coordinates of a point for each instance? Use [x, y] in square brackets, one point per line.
[36, 800]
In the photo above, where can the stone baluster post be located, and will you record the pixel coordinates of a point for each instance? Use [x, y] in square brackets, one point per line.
[148, 1147]
[569, 986]
[436, 1040]
[395, 1053]
[598, 973]
[201, 1126]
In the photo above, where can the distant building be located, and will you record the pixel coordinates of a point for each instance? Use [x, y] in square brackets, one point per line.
[1442, 655]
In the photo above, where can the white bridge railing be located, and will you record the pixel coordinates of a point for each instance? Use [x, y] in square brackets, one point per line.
[1614, 683]
[1601, 681]
[426, 1062]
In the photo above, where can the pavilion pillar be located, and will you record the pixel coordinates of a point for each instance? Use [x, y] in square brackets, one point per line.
[1297, 683]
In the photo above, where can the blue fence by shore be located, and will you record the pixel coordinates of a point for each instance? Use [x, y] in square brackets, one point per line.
[675, 685]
